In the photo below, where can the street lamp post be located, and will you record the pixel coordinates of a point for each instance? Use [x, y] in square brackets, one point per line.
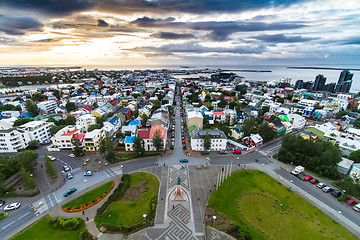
[144, 218]
[85, 180]
[343, 193]
[214, 217]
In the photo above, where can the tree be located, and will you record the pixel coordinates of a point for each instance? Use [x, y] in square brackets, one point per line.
[355, 156]
[102, 146]
[207, 142]
[144, 118]
[249, 126]
[27, 177]
[342, 113]
[266, 132]
[357, 123]
[110, 153]
[101, 120]
[318, 106]
[156, 106]
[32, 108]
[50, 167]
[27, 159]
[205, 121]
[77, 149]
[207, 98]
[273, 117]
[57, 94]
[70, 106]
[95, 105]
[135, 113]
[21, 121]
[93, 127]
[280, 100]
[33, 144]
[232, 105]
[139, 146]
[55, 128]
[158, 141]
[70, 120]
[225, 129]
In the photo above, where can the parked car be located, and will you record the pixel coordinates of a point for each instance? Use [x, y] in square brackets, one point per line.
[72, 155]
[69, 192]
[357, 207]
[2, 202]
[223, 152]
[321, 185]
[308, 178]
[183, 142]
[88, 173]
[237, 152]
[351, 202]
[204, 153]
[66, 168]
[69, 175]
[328, 189]
[184, 160]
[172, 143]
[12, 206]
[314, 181]
[297, 170]
[51, 158]
[336, 193]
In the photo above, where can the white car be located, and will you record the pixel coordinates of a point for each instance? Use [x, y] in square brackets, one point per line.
[321, 185]
[51, 158]
[12, 206]
[88, 173]
[72, 155]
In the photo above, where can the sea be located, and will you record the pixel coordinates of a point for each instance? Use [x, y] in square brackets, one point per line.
[275, 73]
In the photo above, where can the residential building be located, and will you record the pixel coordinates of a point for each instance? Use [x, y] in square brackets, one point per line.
[194, 118]
[11, 140]
[126, 112]
[92, 139]
[114, 123]
[83, 122]
[354, 172]
[130, 129]
[38, 130]
[48, 106]
[10, 114]
[254, 140]
[160, 118]
[63, 138]
[217, 138]
[129, 143]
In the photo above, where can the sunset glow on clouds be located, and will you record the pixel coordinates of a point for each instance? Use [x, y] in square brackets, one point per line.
[152, 33]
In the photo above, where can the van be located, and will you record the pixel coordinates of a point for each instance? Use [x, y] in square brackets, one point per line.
[298, 170]
[357, 207]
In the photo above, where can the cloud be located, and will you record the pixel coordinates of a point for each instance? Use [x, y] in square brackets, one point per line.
[171, 35]
[150, 22]
[19, 25]
[195, 47]
[102, 23]
[50, 7]
[282, 38]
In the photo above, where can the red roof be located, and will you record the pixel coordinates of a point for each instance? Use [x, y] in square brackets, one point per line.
[69, 133]
[159, 128]
[113, 102]
[88, 107]
[79, 136]
[144, 133]
[218, 113]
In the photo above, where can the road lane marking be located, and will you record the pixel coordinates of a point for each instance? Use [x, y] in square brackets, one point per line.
[8, 225]
[23, 215]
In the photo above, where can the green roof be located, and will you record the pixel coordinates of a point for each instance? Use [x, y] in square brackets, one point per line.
[191, 128]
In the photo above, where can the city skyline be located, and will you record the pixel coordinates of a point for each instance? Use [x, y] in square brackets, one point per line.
[178, 32]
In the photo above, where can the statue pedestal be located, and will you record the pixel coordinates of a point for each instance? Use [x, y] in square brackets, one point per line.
[178, 194]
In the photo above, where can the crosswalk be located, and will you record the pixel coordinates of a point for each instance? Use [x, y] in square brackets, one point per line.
[261, 152]
[113, 172]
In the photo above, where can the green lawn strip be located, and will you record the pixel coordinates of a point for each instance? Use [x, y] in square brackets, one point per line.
[128, 213]
[89, 196]
[315, 131]
[42, 230]
[259, 210]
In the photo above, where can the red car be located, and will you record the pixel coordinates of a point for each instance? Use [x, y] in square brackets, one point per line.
[237, 152]
[351, 202]
[183, 142]
[314, 180]
[308, 178]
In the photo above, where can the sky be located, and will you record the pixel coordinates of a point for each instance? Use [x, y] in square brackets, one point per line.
[179, 32]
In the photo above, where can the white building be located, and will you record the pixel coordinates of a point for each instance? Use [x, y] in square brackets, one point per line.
[11, 140]
[297, 120]
[10, 114]
[84, 121]
[48, 106]
[63, 138]
[38, 130]
[218, 139]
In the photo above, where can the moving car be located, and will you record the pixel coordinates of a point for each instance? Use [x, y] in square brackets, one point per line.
[308, 178]
[69, 175]
[12, 206]
[298, 170]
[328, 189]
[237, 152]
[321, 185]
[184, 160]
[72, 155]
[336, 193]
[2, 202]
[69, 192]
[357, 207]
[88, 173]
[351, 202]
[314, 181]
[66, 168]
[51, 158]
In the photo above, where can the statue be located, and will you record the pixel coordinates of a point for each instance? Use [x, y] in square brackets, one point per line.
[178, 193]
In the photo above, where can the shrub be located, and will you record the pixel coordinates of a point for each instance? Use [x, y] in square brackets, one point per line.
[85, 235]
[3, 215]
[66, 224]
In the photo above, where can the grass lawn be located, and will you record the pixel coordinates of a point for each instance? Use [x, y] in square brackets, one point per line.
[298, 219]
[42, 230]
[127, 156]
[315, 131]
[128, 213]
[89, 196]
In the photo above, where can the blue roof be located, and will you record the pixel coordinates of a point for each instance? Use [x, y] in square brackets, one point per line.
[129, 139]
[134, 123]
[26, 115]
[112, 120]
